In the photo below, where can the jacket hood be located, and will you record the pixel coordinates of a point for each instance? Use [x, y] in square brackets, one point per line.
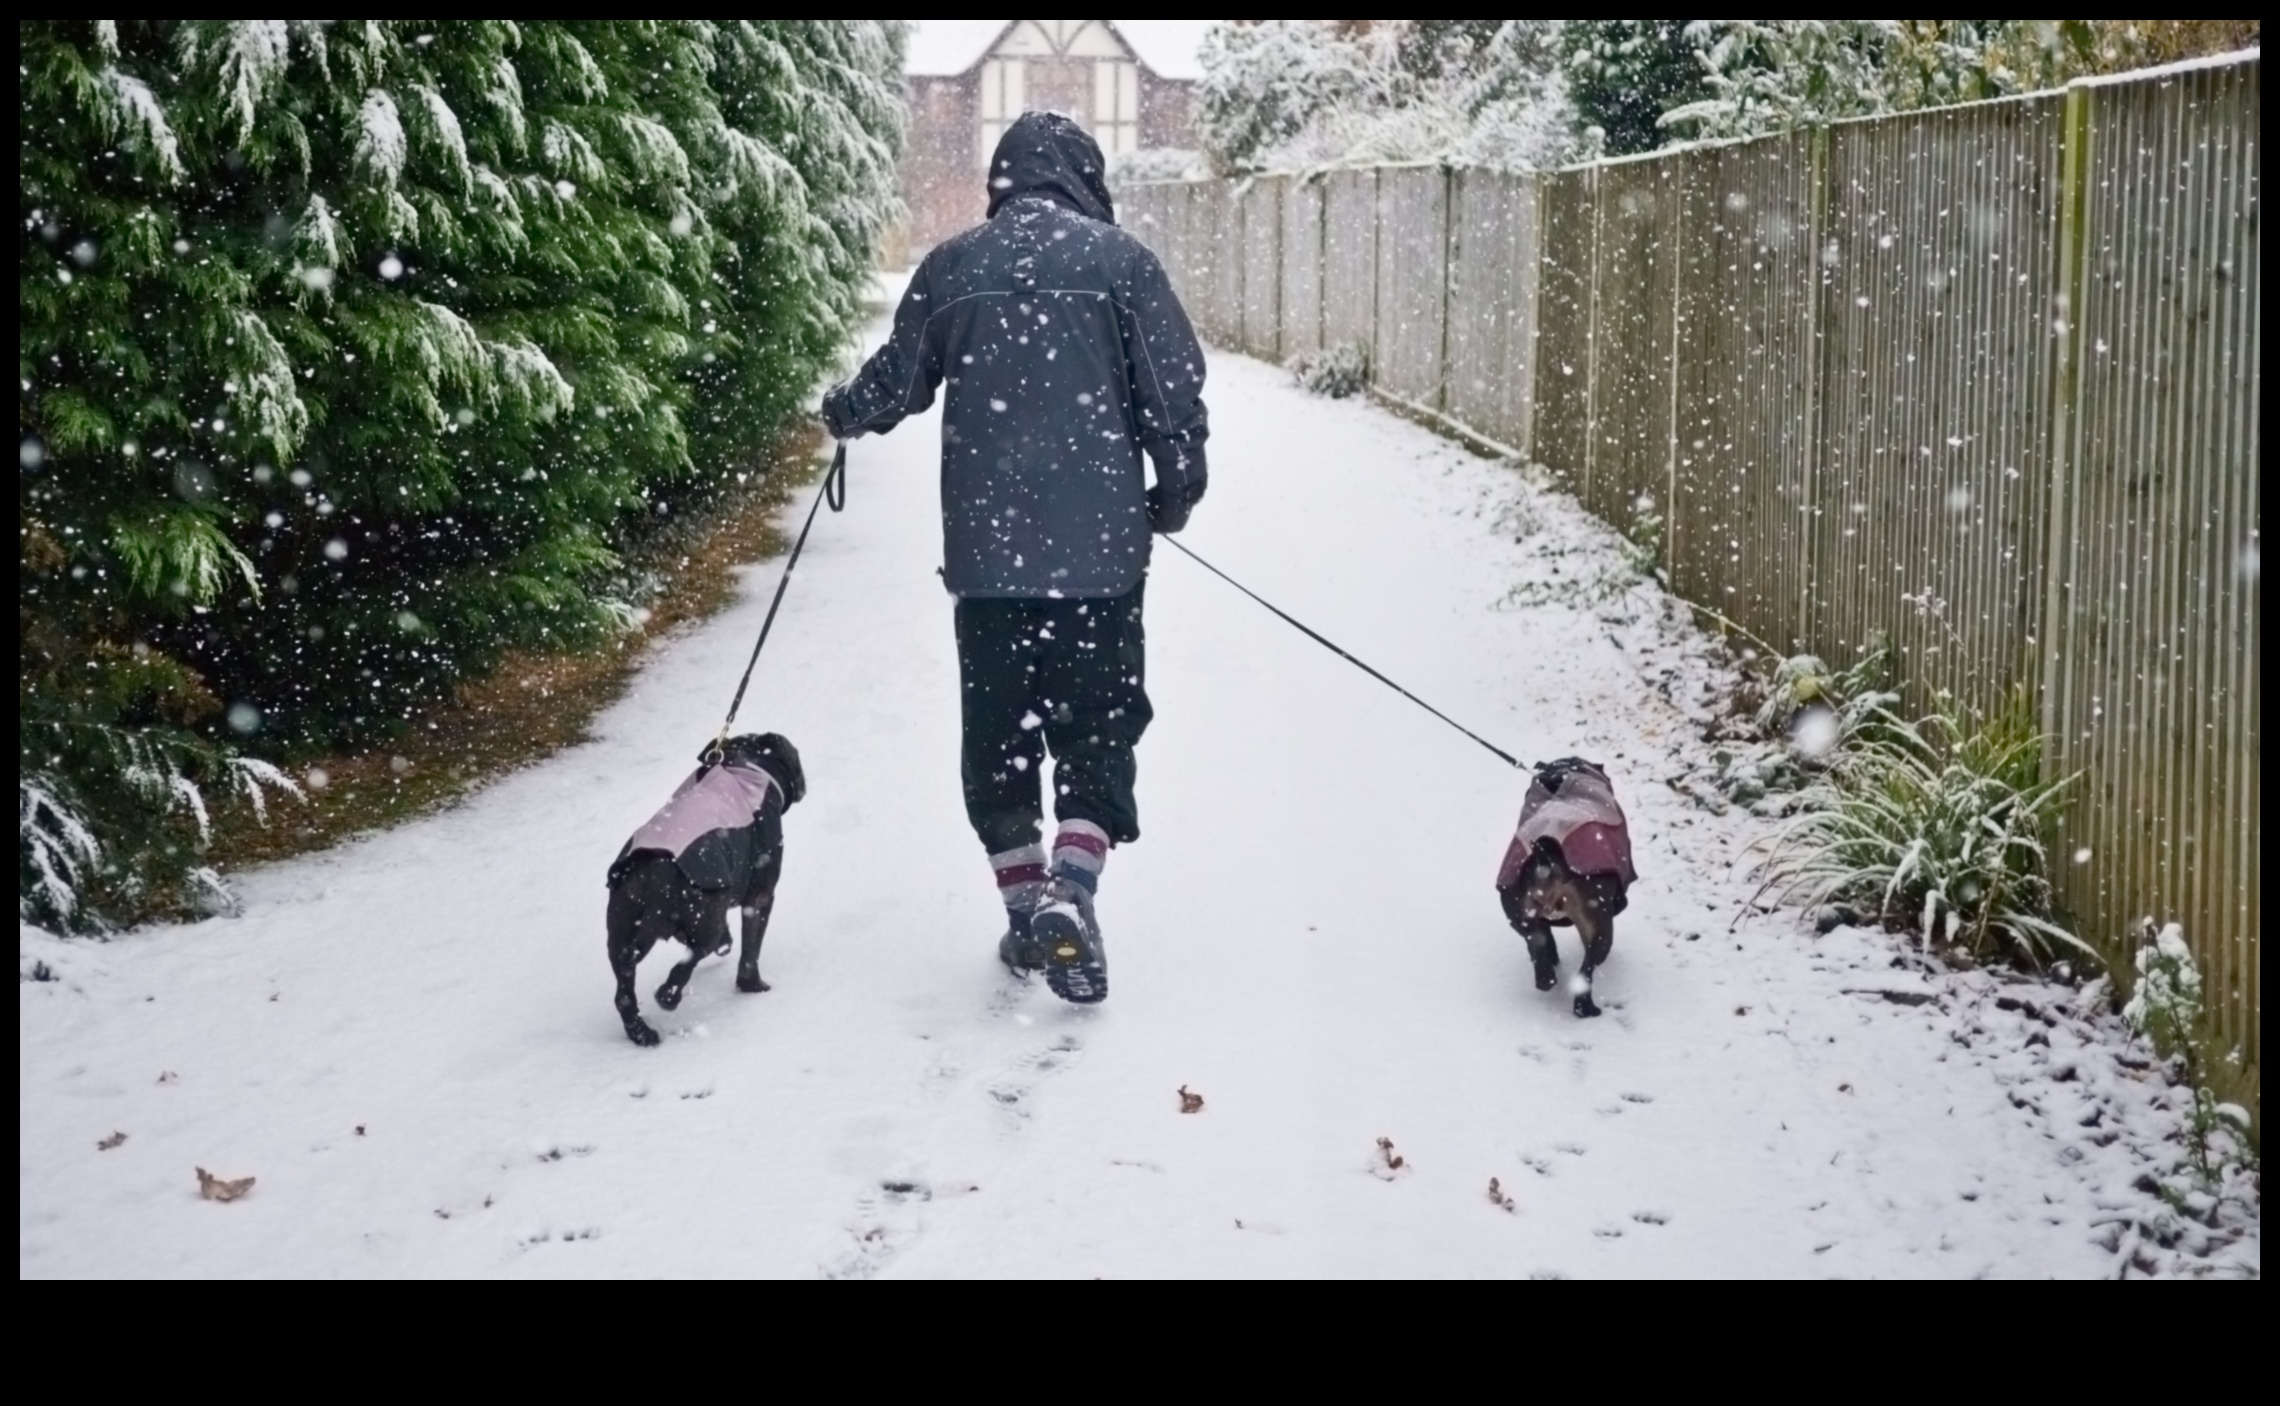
[1047, 154]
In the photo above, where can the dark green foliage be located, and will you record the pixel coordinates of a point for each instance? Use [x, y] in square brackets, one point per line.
[1623, 75]
[352, 354]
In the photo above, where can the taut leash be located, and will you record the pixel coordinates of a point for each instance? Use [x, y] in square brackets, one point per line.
[833, 491]
[1316, 636]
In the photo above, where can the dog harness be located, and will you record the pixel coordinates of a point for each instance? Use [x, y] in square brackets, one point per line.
[710, 825]
[1571, 803]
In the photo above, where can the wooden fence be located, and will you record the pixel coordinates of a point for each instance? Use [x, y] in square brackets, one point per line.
[1979, 381]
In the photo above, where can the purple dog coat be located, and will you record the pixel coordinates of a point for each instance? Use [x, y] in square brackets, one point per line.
[709, 827]
[1572, 804]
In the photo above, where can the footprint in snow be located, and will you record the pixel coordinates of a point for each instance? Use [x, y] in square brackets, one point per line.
[700, 1091]
[546, 1151]
[1011, 1090]
[1638, 1098]
[1535, 1052]
[1572, 1149]
[1536, 1162]
[887, 1219]
[1608, 1232]
[530, 1239]
[1651, 1217]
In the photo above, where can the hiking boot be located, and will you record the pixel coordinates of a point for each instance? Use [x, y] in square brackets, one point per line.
[1068, 940]
[1019, 948]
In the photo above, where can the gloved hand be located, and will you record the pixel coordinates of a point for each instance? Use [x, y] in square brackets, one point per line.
[1168, 509]
[835, 411]
[1180, 478]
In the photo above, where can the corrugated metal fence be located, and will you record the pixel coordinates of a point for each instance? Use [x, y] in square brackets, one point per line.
[1981, 381]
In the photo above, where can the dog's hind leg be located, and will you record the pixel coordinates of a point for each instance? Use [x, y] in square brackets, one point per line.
[757, 910]
[1543, 951]
[1598, 933]
[710, 932]
[627, 948]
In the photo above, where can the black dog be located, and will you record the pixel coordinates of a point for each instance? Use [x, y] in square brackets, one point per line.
[1568, 865]
[718, 844]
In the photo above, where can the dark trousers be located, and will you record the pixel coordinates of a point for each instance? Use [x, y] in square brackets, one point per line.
[1065, 676]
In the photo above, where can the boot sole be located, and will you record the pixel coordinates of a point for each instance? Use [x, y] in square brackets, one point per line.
[1076, 973]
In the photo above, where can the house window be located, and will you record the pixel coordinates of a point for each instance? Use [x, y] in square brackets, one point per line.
[1116, 105]
[1002, 99]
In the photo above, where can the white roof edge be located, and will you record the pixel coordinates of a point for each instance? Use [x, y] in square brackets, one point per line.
[948, 48]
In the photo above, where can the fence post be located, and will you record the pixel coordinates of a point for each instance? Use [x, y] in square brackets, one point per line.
[1816, 382]
[2066, 392]
[1448, 277]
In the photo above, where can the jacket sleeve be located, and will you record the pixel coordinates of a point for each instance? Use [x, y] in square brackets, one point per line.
[1165, 364]
[900, 377]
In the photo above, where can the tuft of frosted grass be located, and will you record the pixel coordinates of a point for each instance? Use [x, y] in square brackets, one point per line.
[1934, 826]
[1335, 371]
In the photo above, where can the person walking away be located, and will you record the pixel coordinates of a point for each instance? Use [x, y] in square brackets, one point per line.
[1064, 359]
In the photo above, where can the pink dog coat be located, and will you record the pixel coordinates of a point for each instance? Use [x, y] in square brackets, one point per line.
[1576, 810]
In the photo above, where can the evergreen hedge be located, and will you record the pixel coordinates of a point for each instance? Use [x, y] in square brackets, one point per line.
[352, 354]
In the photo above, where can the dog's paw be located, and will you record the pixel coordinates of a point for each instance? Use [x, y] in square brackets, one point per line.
[669, 996]
[641, 1032]
[1547, 977]
[750, 983]
[1585, 1007]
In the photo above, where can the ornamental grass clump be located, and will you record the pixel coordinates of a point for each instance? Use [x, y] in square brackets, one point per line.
[1933, 827]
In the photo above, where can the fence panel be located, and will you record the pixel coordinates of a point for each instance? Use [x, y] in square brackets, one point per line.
[1349, 260]
[1938, 364]
[1635, 207]
[1302, 204]
[1262, 267]
[1412, 278]
[1562, 435]
[2155, 694]
[1223, 321]
[1744, 455]
[1491, 332]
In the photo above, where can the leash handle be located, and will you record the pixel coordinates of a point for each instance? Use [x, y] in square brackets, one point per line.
[1317, 637]
[833, 491]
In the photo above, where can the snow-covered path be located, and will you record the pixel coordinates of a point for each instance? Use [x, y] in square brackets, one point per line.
[409, 1041]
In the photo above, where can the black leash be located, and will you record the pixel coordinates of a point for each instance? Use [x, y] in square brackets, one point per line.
[1316, 636]
[833, 491]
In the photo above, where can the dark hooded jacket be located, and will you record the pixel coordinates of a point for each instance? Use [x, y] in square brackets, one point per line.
[1063, 357]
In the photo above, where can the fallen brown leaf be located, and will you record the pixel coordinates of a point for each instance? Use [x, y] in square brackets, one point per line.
[1496, 1196]
[1394, 1161]
[214, 1188]
[106, 1144]
[1190, 1102]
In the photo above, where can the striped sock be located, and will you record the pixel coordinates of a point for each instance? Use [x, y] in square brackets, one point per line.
[1020, 876]
[1079, 851]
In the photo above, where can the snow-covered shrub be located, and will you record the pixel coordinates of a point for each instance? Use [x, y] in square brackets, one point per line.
[1336, 371]
[353, 356]
[114, 820]
[1933, 826]
[1292, 94]
[1623, 75]
[1770, 75]
[2167, 1011]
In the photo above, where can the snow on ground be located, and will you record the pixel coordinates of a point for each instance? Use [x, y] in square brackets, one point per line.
[409, 1040]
